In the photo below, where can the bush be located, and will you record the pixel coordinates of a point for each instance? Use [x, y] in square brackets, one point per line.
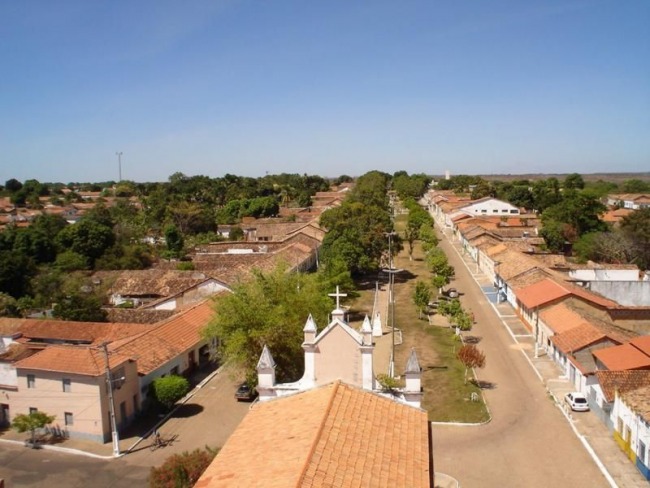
[170, 389]
[185, 266]
[182, 470]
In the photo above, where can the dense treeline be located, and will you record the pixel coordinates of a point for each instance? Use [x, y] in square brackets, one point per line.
[43, 264]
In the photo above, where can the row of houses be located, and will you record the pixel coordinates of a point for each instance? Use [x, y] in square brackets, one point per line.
[592, 320]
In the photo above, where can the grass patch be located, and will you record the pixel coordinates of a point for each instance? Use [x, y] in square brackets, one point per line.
[446, 397]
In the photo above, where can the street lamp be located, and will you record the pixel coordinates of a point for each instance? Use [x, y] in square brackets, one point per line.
[391, 297]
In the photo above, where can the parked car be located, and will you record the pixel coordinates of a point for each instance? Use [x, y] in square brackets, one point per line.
[577, 401]
[452, 293]
[245, 392]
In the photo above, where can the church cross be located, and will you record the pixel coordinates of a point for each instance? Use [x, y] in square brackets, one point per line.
[338, 296]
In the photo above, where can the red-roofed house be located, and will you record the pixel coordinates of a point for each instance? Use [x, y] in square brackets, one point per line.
[68, 378]
[70, 383]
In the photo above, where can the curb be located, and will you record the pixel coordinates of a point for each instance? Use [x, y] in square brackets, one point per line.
[65, 450]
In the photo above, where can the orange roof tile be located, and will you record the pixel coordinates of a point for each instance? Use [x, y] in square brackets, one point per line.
[540, 293]
[560, 318]
[577, 338]
[335, 435]
[167, 339]
[621, 381]
[642, 343]
[88, 361]
[625, 356]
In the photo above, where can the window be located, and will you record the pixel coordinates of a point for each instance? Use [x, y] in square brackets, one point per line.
[33, 410]
[174, 371]
[514, 211]
[69, 418]
[495, 210]
[31, 381]
[66, 385]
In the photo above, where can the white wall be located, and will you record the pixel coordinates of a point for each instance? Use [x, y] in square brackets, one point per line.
[8, 375]
[491, 207]
[604, 274]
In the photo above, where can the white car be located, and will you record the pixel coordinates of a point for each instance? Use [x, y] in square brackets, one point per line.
[577, 401]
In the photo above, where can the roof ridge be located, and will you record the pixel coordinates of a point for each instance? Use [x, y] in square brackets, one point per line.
[319, 432]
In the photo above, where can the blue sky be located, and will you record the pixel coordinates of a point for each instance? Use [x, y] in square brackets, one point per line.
[329, 88]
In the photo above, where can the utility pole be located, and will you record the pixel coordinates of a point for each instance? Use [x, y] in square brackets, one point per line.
[111, 402]
[119, 164]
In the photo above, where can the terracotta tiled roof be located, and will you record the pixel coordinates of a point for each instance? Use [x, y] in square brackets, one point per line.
[540, 293]
[166, 340]
[577, 338]
[548, 290]
[512, 263]
[89, 361]
[639, 401]
[335, 435]
[560, 318]
[499, 248]
[621, 381]
[625, 356]
[155, 282]
[529, 277]
[642, 343]
[38, 330]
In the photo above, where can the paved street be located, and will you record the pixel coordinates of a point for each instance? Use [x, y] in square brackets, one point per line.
[528, 443]
[208, 418]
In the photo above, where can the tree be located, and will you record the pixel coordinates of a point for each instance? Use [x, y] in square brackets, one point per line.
[270, 309]
[582, 212]
[421, 296]
[13, 185]
[8, 306]
[471, 357]
[362, 245]
[636, 227]
[31, 423]
[573, 181]
[87, 237]
[236, 233]
[174, 240]
[15, 271]
[80, 308]
[169, 389]
[182, 470]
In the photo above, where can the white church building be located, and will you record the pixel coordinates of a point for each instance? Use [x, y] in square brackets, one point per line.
[338, 352]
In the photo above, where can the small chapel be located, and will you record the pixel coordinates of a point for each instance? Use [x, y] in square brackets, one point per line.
[338, 353]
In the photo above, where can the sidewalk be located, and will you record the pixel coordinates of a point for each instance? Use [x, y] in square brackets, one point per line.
[589, 429]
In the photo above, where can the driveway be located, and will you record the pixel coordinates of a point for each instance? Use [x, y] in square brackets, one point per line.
[528, 442]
